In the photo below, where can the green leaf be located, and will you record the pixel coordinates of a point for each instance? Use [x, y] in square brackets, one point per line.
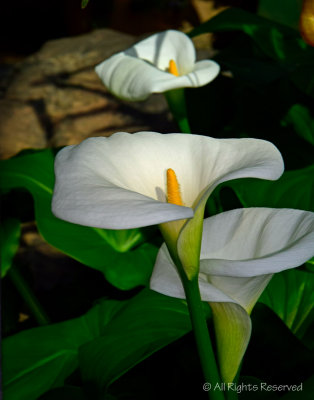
[286, 12]
[290, 295]
[41, 358]
[64, 393]
[90, 246]
[115, 336]
[150, 322]
[310, 265]
[10, 231]
[305, 394]
[84, 3]
[303, 78]
[303, 123]
[295, 189]
[251, 70]
[277, 41]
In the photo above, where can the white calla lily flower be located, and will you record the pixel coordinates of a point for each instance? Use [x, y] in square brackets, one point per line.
[160, 63]
[240, 251]
[120, 182]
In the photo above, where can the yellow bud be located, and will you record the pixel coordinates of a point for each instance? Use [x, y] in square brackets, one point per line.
[173, 188]
[173, 68]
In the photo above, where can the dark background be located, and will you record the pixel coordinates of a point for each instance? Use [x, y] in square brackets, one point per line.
[25, 25]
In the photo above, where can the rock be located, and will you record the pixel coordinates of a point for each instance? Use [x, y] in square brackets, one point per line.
[30, 238]
[55, 98]
[20, 128]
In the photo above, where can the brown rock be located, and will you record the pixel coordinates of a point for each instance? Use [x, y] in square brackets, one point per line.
[66, 102]
[113, 117]
[57, 60]
[73, 101]
[30, 238]
[20, 128]
[75, 129]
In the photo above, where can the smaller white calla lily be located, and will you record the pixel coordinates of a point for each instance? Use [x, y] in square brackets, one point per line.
[160, 63]
[120, 182]
[241, 249]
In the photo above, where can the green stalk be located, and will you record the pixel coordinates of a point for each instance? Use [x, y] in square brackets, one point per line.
[184, 125]
[177, 106]
[204, 346]
[232, 394]
[28, 296]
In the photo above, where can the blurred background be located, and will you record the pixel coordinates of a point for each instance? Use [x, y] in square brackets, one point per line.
[27, 24]
[49, 93]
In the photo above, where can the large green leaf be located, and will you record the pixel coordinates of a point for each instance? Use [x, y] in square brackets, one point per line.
[41, 358]
[303, 123]
[310, 265]
[117, 335]
[291, 295]
[295, 189]
[84, 3]
[10, 230]
[65, 393]
[91, 246]
[150, 322]
[277, 41]
[286, 12]
[305, 394]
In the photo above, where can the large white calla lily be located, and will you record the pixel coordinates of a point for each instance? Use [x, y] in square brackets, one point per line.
[241, 249]
[151, 66]
[120, 182]
[134, 180]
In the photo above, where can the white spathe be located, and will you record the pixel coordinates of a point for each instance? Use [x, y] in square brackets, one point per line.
[136, 73]
[119, 182]
[240, 251]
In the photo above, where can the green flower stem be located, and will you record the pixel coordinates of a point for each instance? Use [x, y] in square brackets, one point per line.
[177, 106]
[184, 125]
[204, 346]
[30, 299]
[232, 394]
